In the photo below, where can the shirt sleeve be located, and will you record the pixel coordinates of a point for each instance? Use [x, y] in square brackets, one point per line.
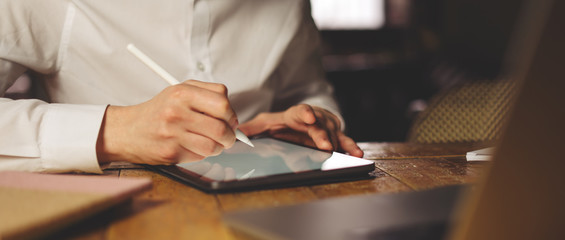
[43, 137]
[35, 135]
[301, 72]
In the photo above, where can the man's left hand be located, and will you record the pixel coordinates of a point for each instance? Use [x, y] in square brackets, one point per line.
[306, 125]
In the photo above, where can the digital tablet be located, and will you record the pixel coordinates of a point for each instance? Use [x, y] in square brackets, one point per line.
[271, 163]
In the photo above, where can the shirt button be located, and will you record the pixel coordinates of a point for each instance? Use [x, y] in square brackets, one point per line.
[200, 66]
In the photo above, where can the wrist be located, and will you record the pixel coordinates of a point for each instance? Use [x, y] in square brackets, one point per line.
[107, 145]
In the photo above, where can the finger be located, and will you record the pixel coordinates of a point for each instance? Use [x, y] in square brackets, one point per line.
[300, 138]
[331, 123]
[204, 100]
[200, 145]
[215, 87]
[349, 146]
[218, 88]
[321, 138]
[326, 123]
[327, 141]
[299, 117]
[208, 127]
[189, 156]
[307, 114]
[330, 117]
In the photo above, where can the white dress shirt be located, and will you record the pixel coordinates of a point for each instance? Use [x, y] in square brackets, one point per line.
[265, 52]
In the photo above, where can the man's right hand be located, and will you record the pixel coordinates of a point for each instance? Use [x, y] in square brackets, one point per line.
[183, 123]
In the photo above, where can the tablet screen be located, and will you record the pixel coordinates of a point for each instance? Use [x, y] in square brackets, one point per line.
[268, 157]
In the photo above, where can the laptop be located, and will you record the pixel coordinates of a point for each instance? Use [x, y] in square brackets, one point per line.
[520, 197]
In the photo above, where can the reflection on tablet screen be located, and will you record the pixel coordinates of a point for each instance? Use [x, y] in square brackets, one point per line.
[268, 157]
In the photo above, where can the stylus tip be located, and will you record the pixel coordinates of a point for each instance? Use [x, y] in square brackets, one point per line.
[241, 137]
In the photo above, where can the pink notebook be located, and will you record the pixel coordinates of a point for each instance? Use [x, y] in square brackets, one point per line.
[34, 204]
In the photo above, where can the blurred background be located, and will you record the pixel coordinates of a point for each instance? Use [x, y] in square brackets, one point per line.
[387, 58]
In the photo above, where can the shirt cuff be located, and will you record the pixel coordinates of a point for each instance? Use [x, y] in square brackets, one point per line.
[68, 136]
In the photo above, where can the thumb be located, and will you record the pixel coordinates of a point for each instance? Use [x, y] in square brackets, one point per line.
[299, 117]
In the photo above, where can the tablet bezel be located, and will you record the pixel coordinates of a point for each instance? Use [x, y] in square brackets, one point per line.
[303, 178]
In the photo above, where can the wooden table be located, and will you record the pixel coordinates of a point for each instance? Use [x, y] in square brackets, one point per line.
[172, 210]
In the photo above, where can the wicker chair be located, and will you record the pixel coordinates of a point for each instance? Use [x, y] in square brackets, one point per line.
[473, 111]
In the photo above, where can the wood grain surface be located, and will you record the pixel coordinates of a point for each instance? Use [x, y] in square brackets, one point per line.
[172, 210]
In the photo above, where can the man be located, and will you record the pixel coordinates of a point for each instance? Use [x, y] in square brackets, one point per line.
[107, 106]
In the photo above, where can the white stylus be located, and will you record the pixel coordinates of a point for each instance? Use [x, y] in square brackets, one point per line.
[173, 81]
